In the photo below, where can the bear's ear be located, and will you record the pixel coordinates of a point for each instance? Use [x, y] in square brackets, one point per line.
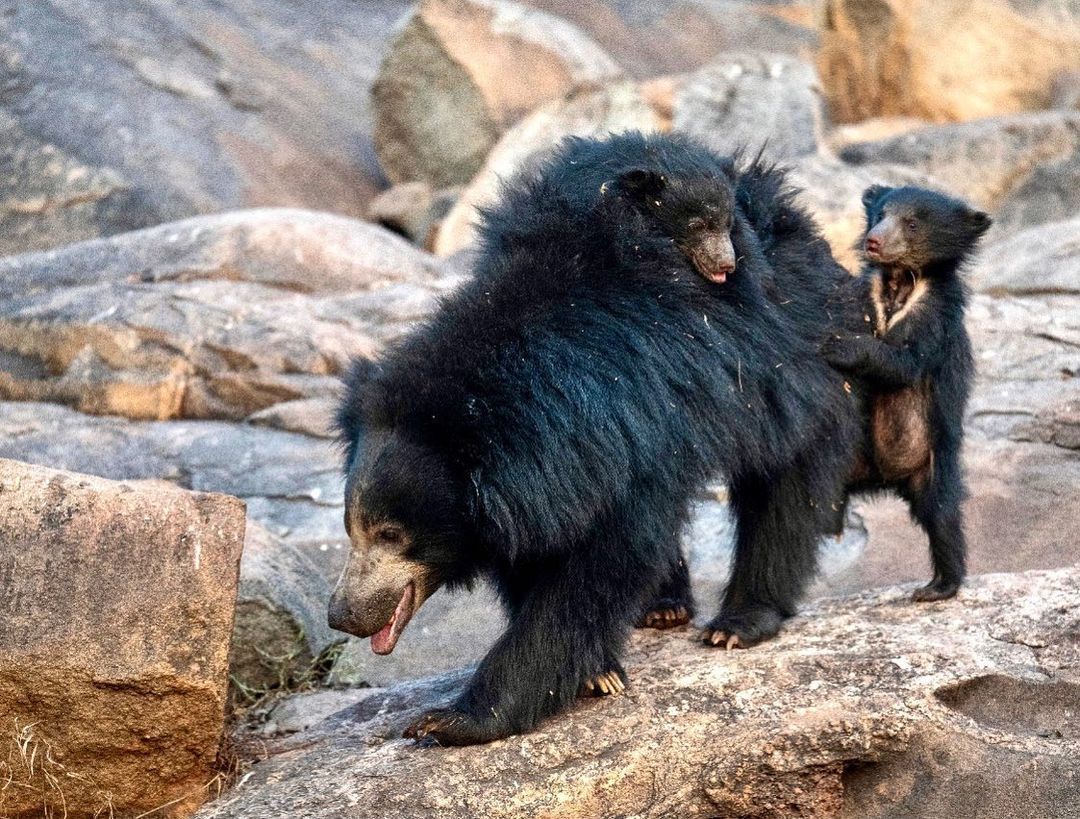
[873, 194]
[641, 183]
[980, 222]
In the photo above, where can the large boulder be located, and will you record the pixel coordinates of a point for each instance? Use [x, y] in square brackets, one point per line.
[594, 113]
[860, 708]
[1020, 167]
[756, 101]
[122, 115]
[118, 606]
[212, 317]
[945, 60]
[649, 38]
[463, 71]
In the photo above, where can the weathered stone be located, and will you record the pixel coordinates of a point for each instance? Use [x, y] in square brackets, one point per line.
[292, 484]
[301, 711]
[1011, 166]
[648, 38]
[118, 606]
[619, 107]
[280, 627]
[213, 317]
[871, 130]
[753, 101]
[461, 72]
[947, 60]
[151, 113]
[1039, 260]
[308, 416]
[850, 696]
[1058, 425]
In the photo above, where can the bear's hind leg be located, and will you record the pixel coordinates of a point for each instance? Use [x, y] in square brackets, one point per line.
[778, 527]
[673, 604]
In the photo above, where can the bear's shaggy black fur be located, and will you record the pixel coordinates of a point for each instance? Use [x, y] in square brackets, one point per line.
[913, 359]
[548, 426]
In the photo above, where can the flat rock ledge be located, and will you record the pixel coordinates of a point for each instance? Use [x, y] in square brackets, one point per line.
[865, 706]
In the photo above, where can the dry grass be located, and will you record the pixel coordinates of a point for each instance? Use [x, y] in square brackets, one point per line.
[31, 773]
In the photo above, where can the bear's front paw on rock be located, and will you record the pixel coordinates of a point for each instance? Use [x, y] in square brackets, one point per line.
[447, 726]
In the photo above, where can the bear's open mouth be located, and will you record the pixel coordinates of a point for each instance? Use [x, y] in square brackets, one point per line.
[384, 640]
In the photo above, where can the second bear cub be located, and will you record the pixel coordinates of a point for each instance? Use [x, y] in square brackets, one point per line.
[915, 366]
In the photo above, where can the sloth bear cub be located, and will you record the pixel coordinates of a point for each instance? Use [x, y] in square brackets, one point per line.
[549, 425]
[915, 366]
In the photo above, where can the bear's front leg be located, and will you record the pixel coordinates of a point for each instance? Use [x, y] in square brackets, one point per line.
[566, 630]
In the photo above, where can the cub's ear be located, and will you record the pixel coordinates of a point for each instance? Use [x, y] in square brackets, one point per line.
[980, 222]
[872, 194]
[641, 183]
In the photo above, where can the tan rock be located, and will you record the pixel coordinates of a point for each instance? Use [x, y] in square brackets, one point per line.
[649, 38]
[118, 606]
[945, 60]
[213, 317]
[618, 107]
[860, 708]
[461, 72]
[989, 161]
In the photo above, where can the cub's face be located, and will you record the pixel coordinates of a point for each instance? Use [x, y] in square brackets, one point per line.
[697, 214]
[914, 227]
[399, 514]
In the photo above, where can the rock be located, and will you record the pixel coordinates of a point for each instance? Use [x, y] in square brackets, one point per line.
[149, 114]
[280, 627]
[118, 605]
[946, 61]
[1058, 425]
[619, 107]
[213, 317]
[1011, 166]
[301, 711]
[871, 130]
[756, 101]
[308, 416]
[1040, 260]
[292, 484]
[850, 712]
[461, 72]
[649, 39]
[413, 210]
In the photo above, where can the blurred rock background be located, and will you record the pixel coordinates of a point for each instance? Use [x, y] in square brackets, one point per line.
[207, 207]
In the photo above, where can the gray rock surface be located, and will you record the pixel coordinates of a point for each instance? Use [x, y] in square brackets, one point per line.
[863, 707]
[1018, 166]
[115, 116]
[754, 101]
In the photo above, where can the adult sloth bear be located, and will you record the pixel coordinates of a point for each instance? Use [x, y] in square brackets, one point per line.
[548, 426]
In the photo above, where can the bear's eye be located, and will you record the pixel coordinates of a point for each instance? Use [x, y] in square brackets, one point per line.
[696, 224]
[911, 223]
[390, 535]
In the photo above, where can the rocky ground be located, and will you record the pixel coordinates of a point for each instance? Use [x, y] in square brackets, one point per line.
[278, 191]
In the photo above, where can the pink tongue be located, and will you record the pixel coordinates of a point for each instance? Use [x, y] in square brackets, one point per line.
[381, 641]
